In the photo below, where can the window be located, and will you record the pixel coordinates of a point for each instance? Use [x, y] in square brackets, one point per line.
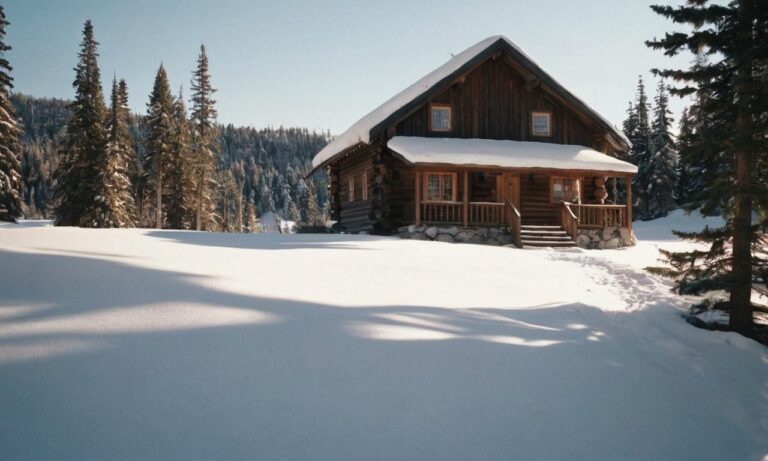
[351, 192]
[364, 193]
[440, 117]
[541, 124]
[440, 187]
[564, 189]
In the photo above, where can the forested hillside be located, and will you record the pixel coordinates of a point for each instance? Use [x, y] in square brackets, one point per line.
[264, 168]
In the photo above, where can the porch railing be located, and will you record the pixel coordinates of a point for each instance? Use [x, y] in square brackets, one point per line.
[452, 213]
[515, 222]
[595, 216]
[442, 213]
[486, 214]
[569, 220]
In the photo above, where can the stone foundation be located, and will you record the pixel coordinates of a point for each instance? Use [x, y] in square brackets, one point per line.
[608, 238]
[482, 235]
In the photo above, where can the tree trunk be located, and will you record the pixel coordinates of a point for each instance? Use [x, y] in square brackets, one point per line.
[159, 198]
[741, 270]
[240, 210]
[199, 208]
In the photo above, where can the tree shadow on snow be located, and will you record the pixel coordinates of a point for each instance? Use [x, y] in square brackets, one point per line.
[193, 372]
[266, 241]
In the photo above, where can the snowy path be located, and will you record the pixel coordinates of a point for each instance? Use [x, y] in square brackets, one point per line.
[141, 344]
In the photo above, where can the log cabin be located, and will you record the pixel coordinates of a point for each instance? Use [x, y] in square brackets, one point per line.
[486, 148]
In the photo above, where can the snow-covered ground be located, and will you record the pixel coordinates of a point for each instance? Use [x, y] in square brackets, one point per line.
[143, 344]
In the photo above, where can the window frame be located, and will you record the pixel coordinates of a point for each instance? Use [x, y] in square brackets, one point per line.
[364, 190]
[576, 189]
[548, 115]
[442, 175]
[432, 107]
[351, 189]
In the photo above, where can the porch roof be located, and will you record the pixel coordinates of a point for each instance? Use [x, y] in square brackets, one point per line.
[505, 154]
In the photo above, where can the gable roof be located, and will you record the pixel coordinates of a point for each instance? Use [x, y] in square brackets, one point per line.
[399, 105]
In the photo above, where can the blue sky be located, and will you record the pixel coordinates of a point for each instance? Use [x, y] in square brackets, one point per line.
[323, 65]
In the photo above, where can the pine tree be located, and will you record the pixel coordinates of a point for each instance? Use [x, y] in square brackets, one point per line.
[10, 149]
[86, 140]
[661, 168]
[204, 142]
[731, 140]
[640, 137]
[630, 128]
[114, 204]
[160, 139]
[686, 173]
[250, 218]
[179, 187]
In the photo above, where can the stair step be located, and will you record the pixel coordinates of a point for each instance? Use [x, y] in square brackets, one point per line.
[540, 227]
[558, 238]
[548, 243]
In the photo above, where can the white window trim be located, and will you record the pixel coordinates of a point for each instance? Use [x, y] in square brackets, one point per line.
[365, 186]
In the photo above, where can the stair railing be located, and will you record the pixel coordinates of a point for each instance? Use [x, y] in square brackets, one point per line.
[568, 220]
[515, 222]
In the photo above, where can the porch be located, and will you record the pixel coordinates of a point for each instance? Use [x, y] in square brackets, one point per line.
[534, 189]
[541, 208]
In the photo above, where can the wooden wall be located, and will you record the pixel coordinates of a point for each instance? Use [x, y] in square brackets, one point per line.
[403, 180]
[495, 102]
[354, 215]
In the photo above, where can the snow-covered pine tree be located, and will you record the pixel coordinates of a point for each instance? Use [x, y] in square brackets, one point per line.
[204, 143]
[640, 154]
[661, 169]
[179, 185]
[731, 91]
[86, 140]
[10, 148]
[114, 204]
[159, 140]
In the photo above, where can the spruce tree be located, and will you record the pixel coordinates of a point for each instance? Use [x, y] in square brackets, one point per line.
[10, 148]
[686, 173]
[731, 140]
[204, 143]
[661, 168]
[86, 140]
[114, 204]
[250, 217]
[159, 140]
[630, 127]
[180, 188]
[640, 137]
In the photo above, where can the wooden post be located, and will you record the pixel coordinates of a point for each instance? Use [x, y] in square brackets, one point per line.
[466, 198]
[628, 186]
[417, 196]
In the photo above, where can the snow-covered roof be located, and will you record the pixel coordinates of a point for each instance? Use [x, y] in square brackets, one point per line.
[505, 154]
[365, 128]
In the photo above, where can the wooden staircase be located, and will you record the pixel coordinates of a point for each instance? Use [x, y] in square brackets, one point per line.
[545, 236]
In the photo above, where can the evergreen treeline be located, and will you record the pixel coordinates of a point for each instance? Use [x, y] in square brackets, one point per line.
[88, 164]
[269, 163]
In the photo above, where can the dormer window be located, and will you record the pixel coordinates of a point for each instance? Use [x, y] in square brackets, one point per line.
[440, 116]
[541, 123]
